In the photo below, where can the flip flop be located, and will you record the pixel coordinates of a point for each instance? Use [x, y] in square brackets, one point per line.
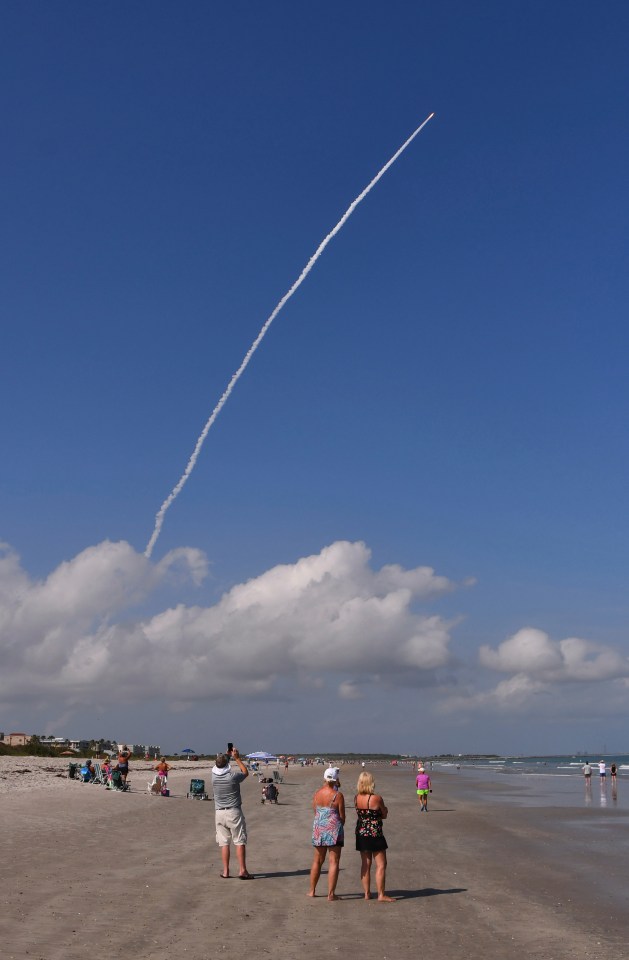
[246, 876]
[223, 877]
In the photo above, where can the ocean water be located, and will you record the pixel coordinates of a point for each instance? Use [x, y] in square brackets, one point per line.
[565, 765]
[552, 781]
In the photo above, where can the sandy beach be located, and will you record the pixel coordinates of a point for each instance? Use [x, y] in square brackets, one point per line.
[85, 870]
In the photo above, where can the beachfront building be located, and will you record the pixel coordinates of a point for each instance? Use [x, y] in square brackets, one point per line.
[144, 750]
[139, 749]
[17, 739]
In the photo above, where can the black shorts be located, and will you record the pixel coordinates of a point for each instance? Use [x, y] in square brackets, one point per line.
[370, 844]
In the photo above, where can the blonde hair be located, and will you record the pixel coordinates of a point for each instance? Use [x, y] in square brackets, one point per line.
[365, 783]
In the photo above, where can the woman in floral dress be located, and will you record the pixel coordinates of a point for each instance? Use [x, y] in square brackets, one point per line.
[370, 840]
[328, 805]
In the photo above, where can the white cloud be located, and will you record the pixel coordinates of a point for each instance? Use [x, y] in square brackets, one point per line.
[527, 650]
[533, 653]
[511, 695]
[550, 676]
[329, 620]
[350, 690]
[72, 639]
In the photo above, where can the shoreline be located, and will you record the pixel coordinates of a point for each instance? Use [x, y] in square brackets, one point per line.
[525, 788]
[85, 868]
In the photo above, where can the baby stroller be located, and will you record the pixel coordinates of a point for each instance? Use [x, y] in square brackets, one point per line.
[269, 791]
[197, 790]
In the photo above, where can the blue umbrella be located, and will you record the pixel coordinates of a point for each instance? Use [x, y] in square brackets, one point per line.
[188, 750]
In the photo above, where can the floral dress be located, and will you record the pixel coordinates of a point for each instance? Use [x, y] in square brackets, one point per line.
[369, 835]
[327, 829]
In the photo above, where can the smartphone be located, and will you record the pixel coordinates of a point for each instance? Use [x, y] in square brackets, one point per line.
[230, 747]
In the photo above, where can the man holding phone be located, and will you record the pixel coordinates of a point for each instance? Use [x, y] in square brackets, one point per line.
[230, 820]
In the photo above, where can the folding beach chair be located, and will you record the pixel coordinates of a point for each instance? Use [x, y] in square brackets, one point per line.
[157, 786]
[99, 776]
[277, 777]
[197, 790]
[117, 783]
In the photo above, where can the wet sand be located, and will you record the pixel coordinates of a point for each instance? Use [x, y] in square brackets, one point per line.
[84, 870]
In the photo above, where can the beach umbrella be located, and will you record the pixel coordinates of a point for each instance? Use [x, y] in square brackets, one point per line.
[261, 755]
[188, 750]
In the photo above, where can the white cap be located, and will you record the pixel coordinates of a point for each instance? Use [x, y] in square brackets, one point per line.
[332, 773]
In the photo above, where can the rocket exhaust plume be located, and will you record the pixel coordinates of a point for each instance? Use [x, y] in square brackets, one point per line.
[159, 519]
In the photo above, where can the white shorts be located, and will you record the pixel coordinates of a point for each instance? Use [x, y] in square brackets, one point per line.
[230, 825]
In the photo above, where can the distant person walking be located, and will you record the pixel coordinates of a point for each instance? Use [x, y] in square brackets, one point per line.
[587, 772]
[424, 787]
[328, 805]
[602, 771]
[370, 840]
[613, 770]
[228, 815]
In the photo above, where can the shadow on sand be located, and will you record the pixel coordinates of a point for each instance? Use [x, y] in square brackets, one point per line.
[424, 892]
[282, 873]
[404, 894]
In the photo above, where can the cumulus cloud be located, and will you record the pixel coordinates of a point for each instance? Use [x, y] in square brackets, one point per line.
[549, 675]
[511, 695]
[350, 690]
[72, 638]
[534, 654]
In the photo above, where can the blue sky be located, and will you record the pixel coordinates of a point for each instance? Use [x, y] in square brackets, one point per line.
[447, 387]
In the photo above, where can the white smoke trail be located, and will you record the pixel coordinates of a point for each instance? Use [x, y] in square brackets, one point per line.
[159, 519]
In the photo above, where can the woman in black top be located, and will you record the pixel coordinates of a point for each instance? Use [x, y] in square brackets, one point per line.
[370, 840]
